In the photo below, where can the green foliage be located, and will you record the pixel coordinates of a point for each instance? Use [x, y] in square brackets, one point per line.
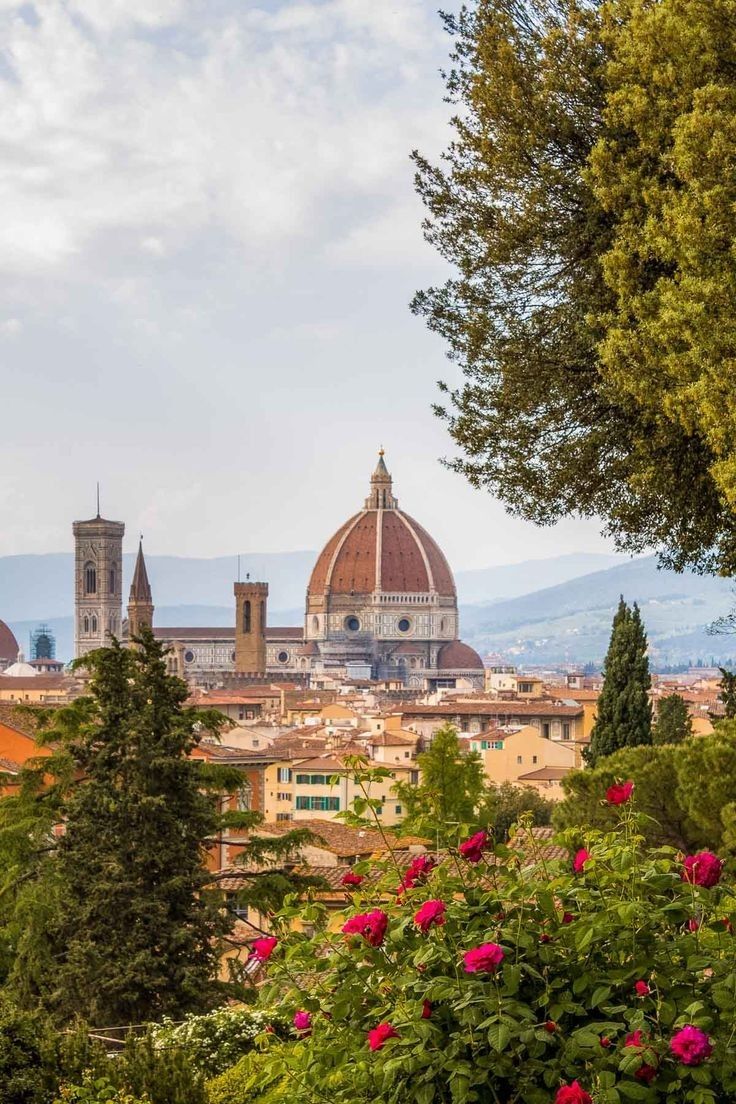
[623, 712]
[686, 790]
[96, 1090]
[450, 789]
[586, 203]
[574, 947]
[673, 721]
[506, 804]
[216, 1041]
[728, 693]
[27, 1058]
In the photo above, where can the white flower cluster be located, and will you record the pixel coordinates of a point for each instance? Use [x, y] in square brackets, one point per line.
[216, 1040]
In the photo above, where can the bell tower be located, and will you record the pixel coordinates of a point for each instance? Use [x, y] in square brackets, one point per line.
[251, 603]
[98, 582]
[140, 601]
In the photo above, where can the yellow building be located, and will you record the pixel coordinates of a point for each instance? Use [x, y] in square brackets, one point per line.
[301, 789]
[517, 756]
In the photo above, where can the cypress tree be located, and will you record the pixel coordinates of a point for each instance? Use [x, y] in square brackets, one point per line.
[673, 721]
[624, 712]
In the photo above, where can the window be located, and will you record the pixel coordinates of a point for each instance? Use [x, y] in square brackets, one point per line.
[90, 578]
[283, 797]
[283, 657]
[413, 778]
[113, 580]
[404, 624]
[565, 732]
[534, 759]
[407, 755]
[86, 624]
[519, 759]
[256, 743]
[284, 816]
[525, 688]
[244, 796]
[398, 810]
[94, 623]
[246, 616]
[284, 774]
[497, 745]
[352, 624]
[189, 657]
[312, 779]
[319, 804]
[545, 730]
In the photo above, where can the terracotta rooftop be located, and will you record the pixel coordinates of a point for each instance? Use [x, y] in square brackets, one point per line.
[9, 766]
[341, 839]
[545, 774]
[35, 682]
[391, 739]
[456, 656]
[493, 709]
[537, 846]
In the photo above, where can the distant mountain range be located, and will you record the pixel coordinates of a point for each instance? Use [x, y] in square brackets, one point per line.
[539, 611]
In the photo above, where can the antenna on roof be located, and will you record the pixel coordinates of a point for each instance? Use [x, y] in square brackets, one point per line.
[98, 499]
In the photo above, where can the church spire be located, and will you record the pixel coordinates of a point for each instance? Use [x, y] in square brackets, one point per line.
[140, 602]
[381, 496]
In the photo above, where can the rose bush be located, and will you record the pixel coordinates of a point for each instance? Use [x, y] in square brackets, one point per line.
[550, 1009]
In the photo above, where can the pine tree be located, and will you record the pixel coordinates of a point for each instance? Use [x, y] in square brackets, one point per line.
[728, 693]
[674, 723]
[452, 784]
[624, 712]
[119, 920]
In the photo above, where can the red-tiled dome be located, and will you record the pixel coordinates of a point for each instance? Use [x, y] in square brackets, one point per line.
[457, 656]
[8, 644]
[381, 549]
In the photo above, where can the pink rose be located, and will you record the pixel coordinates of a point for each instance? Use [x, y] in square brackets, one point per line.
[703, 869]
[619, 793]
[484, 959]
[431, 912]
[303, 1021]
[417, 871]
[371, 925]
[581, 857]
[642, 989]
[351, 879]
[472, 849]
[262, 949]
[691, 1046]
[635, 1039]
[379, 1036]
[426, 1010]
[573, 1094]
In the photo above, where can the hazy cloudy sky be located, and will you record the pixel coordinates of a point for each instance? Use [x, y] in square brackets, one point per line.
[208, 242]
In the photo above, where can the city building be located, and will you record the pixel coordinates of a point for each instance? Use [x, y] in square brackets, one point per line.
[98, 582]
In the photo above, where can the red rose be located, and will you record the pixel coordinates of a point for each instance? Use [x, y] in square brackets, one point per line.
[703, 869]
[646, 1074]
[426, 1010]
[573, 1094]
[550, 1026]
[431, 912]
[379, 1036]
[262, 949]
[351, 879]
[544, 938]
[567, 918]
[642, 989]
[693, 924]
[472, 849]
[691, 1046]
[581, 857]
[619, 793]
[605, 1042]
[727, 924]
[484, 959]
[371, 925]
[635, 1039]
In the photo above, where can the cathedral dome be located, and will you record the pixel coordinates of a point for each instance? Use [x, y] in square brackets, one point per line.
[8, 644]
[381, 549]
[457, 656]
[20, 669]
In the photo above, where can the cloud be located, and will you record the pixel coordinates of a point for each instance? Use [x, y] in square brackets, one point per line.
[276, 128]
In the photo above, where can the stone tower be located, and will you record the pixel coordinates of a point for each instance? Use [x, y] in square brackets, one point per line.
[98, 583]
[140, 601]
[251, 601]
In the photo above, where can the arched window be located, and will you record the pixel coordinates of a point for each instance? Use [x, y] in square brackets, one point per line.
[113, 580]
[86, 624]
[94, 623]
[90, 578]
[262, 625]
[246, 616]
[315, 624]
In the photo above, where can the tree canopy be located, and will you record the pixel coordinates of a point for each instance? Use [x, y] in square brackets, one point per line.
[623, 711]
[674, 723]
[450, 789]
[586, 204]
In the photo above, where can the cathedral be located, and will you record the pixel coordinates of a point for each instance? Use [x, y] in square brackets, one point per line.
[381, 604]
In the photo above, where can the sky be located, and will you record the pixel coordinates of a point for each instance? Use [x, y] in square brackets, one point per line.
[208, 244]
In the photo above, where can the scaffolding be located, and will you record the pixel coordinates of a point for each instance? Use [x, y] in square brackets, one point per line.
[43, 643]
